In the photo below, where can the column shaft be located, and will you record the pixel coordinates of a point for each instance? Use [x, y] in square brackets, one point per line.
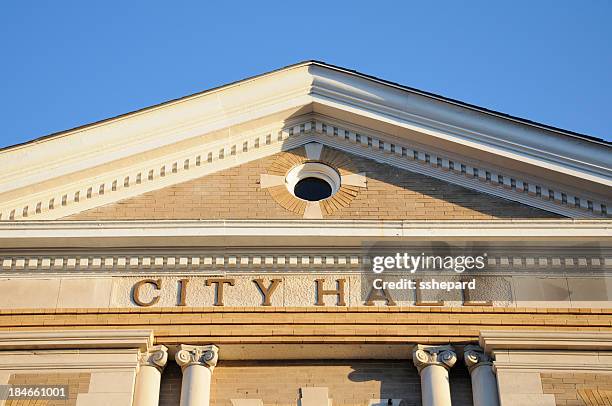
[484, 382]
[484, 386]
[195, 388]
[435, 389]
[148, 382]
[433, 364]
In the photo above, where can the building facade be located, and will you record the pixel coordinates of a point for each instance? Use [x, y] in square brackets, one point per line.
[229, 248]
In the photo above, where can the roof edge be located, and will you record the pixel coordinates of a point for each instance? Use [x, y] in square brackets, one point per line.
[435, 96]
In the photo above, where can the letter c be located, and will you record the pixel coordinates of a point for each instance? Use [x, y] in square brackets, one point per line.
[136, 292]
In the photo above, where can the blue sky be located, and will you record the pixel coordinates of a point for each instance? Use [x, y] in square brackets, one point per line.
[68, 63]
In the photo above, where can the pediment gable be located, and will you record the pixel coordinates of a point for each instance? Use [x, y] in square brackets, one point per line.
[205, 134]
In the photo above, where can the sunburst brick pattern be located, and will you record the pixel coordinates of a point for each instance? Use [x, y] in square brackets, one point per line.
[340, 161]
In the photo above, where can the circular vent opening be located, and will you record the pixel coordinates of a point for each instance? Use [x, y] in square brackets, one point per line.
[312, 189]
[312, 181]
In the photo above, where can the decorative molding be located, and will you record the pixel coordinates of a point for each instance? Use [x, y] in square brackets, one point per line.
[427, 355]
[279, 260]
[545, 340]
[313, 85]
[154, 174]
[204, 355]
[546, 366]
[276, 94]
[555, 357]
[305, 233]
[76, 339]
[156, 356]
[474, 356]
[449, 121]
[71, 198]
[139, 262]
[462, 172]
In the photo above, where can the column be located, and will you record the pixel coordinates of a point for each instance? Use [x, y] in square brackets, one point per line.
[197, 364]
[433, 364]
[484, 383]
[148, 379]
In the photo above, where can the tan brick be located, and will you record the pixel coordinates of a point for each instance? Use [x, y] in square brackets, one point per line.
[576, 388]
[77, 383]
[391, 194]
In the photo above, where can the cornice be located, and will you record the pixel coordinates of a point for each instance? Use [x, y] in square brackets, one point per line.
[451, 122]
[602, 368]
[545, 340]
[181, 166]
[76, 339]
[145, 130]
[287, 233]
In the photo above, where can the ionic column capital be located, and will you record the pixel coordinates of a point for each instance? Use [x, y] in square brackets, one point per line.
[157, 357]
[204, 355]
[474, 357]
[428, 355]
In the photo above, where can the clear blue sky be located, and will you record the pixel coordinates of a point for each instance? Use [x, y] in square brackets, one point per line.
[67, 63]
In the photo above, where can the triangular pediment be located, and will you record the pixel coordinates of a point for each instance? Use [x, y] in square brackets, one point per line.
[206, 134]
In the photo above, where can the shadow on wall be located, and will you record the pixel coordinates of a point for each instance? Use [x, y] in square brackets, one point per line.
[397, 194]
[400, 383]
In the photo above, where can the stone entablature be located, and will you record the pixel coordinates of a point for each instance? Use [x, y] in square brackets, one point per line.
[364, 332]
[299, 288]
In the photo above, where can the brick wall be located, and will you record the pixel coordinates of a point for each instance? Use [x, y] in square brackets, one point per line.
[391, 194]
[350, 383]
[578, 389]
[170, 389]
[77, 383]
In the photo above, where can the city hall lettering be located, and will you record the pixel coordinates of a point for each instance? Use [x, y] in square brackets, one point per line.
[147, 292]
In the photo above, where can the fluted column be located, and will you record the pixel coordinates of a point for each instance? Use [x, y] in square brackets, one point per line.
[433, 364]
[484, 383]
[148, 380]
[197, 364]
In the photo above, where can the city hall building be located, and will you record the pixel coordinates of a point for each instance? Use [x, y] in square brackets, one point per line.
[229, 248]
